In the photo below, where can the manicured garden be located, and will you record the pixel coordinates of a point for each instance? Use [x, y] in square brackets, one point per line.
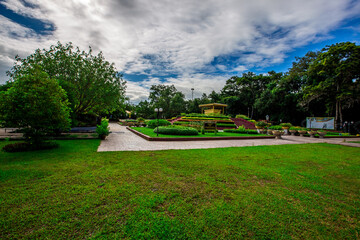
[150, 132]
[309, 191]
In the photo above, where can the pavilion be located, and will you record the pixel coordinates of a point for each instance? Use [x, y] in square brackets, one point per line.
[213, 108]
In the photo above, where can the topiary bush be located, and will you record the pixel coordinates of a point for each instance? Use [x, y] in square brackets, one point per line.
[261, 124]
[176, 130]
[153, 123]
[275, 127]
[286, 125]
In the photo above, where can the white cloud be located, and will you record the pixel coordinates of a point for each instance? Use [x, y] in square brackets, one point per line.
[177, 37]
[202, 83]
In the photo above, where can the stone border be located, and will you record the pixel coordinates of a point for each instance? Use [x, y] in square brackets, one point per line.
[146, 137]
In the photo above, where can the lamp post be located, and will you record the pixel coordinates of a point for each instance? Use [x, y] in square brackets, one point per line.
[192, 94]
[158, 111]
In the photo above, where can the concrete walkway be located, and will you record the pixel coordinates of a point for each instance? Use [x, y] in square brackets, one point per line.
[122, 139]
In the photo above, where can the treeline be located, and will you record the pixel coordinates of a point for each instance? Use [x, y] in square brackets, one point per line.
[323, 83]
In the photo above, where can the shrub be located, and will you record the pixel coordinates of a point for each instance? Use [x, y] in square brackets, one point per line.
[275, 127]
[241, 128]
[253, 121]
[287, 125]
[243, 116]
[140, 120]
[176, 130]
[261, 124]
[103, 129]
[153, 123]
[25, 146]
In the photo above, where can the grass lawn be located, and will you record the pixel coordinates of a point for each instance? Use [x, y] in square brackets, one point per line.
[354, 141]
[309, 191]
[150, 133]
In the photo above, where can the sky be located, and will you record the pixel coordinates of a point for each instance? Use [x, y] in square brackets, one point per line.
[189, 43]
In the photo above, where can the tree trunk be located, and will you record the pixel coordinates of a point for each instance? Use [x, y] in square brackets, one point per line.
[340, 113]
[336, 115]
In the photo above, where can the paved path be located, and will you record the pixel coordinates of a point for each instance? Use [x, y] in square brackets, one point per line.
[122, 139]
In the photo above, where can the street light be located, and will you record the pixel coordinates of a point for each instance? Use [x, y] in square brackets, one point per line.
[158, 111]
[192, 94]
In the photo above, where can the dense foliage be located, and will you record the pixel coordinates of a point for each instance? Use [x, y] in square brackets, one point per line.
[93, 85]
[103, 129]
[323, 83]
[36, 104]
[176, 130]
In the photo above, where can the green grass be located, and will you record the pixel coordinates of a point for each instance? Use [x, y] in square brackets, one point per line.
[150, 132]
[307, 191]
[353, 141]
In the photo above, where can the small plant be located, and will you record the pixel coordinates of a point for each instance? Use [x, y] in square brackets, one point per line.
[103, 129]
[241, 128]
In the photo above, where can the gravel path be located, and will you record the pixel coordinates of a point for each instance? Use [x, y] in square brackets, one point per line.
[122, 139]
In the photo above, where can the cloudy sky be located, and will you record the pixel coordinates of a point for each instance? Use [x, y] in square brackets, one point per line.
[188, 43]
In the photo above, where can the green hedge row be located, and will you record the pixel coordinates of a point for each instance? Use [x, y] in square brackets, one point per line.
[226, 125]
[247, 131]
[153, 123]
[176, 130]
[204, 116]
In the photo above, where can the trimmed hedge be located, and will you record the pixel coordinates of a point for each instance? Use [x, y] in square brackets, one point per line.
[246, 131]
[176, 130]
[243, 116]
[153, 123]
[225, 125]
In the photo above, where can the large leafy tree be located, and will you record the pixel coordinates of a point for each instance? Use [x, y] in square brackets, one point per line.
[240, 93]
[93, 85]
[335, 75]
[35, 103]
[168, 98]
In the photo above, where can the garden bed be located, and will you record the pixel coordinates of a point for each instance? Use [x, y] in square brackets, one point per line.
[148, 134]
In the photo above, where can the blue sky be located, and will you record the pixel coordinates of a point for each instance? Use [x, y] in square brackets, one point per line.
[187, 43]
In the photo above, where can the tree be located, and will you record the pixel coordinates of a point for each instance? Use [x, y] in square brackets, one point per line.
[92, 84]
[242, 92]
[335, 75]
[144, 109]
[35, 103]
[167, 98]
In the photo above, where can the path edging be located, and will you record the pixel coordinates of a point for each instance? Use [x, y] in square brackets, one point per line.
[146, 137]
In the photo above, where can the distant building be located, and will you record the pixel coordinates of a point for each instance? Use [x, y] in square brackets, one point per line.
[213, 108]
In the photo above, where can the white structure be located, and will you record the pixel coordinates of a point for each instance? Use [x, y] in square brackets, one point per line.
[320, 122]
